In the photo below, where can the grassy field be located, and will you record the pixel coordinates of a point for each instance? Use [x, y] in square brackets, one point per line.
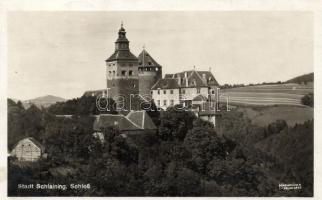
[277, 94]
[264, 104]
[262, 116]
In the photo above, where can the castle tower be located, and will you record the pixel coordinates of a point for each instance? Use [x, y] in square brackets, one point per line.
[122, 70]
[149, 72]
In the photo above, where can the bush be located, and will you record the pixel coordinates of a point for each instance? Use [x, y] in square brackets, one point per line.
[308, 100]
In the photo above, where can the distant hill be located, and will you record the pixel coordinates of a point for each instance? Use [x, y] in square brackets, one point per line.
[44, 101]
[306, 78]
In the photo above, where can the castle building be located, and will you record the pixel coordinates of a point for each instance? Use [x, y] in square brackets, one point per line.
[188, 87]
[129, 78]
[140, 77]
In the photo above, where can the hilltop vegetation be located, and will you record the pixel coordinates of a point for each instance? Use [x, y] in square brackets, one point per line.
[304, 79]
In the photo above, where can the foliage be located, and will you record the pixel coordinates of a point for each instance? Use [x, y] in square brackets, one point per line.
[302, 79]
[84, 105]
[175, 124]
[308, 100]
[190, 157]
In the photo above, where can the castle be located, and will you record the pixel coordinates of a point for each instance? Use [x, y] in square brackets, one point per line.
[128, 75]
[141, 77]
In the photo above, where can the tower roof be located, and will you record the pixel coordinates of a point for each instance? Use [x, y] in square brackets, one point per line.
[145, 60]
[122, 50]
[122, 55]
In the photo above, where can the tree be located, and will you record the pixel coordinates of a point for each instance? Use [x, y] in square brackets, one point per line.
[15, 126]
[175, 123]
[203, 144]
[308, 100]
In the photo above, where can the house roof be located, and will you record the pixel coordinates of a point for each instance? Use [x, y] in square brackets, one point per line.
[120, 121]
[166, 83]
[38, 144]
[142, 119]
[145, 60]
[194, 78]
[135, 120]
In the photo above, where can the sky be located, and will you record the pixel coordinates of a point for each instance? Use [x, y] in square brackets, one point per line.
[63, 53]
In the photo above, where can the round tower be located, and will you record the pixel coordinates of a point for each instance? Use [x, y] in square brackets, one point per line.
[149, 72]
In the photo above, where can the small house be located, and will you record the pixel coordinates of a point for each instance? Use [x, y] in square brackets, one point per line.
[28, 149]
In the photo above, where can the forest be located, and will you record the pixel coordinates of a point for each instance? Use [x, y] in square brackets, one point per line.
[187, 156]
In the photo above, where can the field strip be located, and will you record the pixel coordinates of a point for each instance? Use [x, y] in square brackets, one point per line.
[258, 99]
[267, 103]
[263, 93]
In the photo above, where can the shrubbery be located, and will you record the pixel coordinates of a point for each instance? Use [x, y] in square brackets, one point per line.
[308, 99]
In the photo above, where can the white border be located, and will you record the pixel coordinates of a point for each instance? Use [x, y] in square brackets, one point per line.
[166, 5]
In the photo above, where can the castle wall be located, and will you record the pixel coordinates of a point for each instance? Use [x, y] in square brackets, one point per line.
[146, 81]
[123, 89]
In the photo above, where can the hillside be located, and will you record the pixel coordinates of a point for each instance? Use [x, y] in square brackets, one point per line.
[275, 94]
[306, 78]
[44, 101]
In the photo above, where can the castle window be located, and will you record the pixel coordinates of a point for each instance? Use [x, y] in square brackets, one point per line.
[159, 103]
[130, 73]
[150, 63]
[164, 92]
[183, 91]
[158, 91]
[151, 92]
[123, 73]
[113, 73]
[213, 92]
[171, 91]
[165, 102]
[171, 102]
[198, 90]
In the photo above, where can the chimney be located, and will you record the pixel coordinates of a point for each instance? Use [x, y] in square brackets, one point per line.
[204, 78]
[179, 80]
